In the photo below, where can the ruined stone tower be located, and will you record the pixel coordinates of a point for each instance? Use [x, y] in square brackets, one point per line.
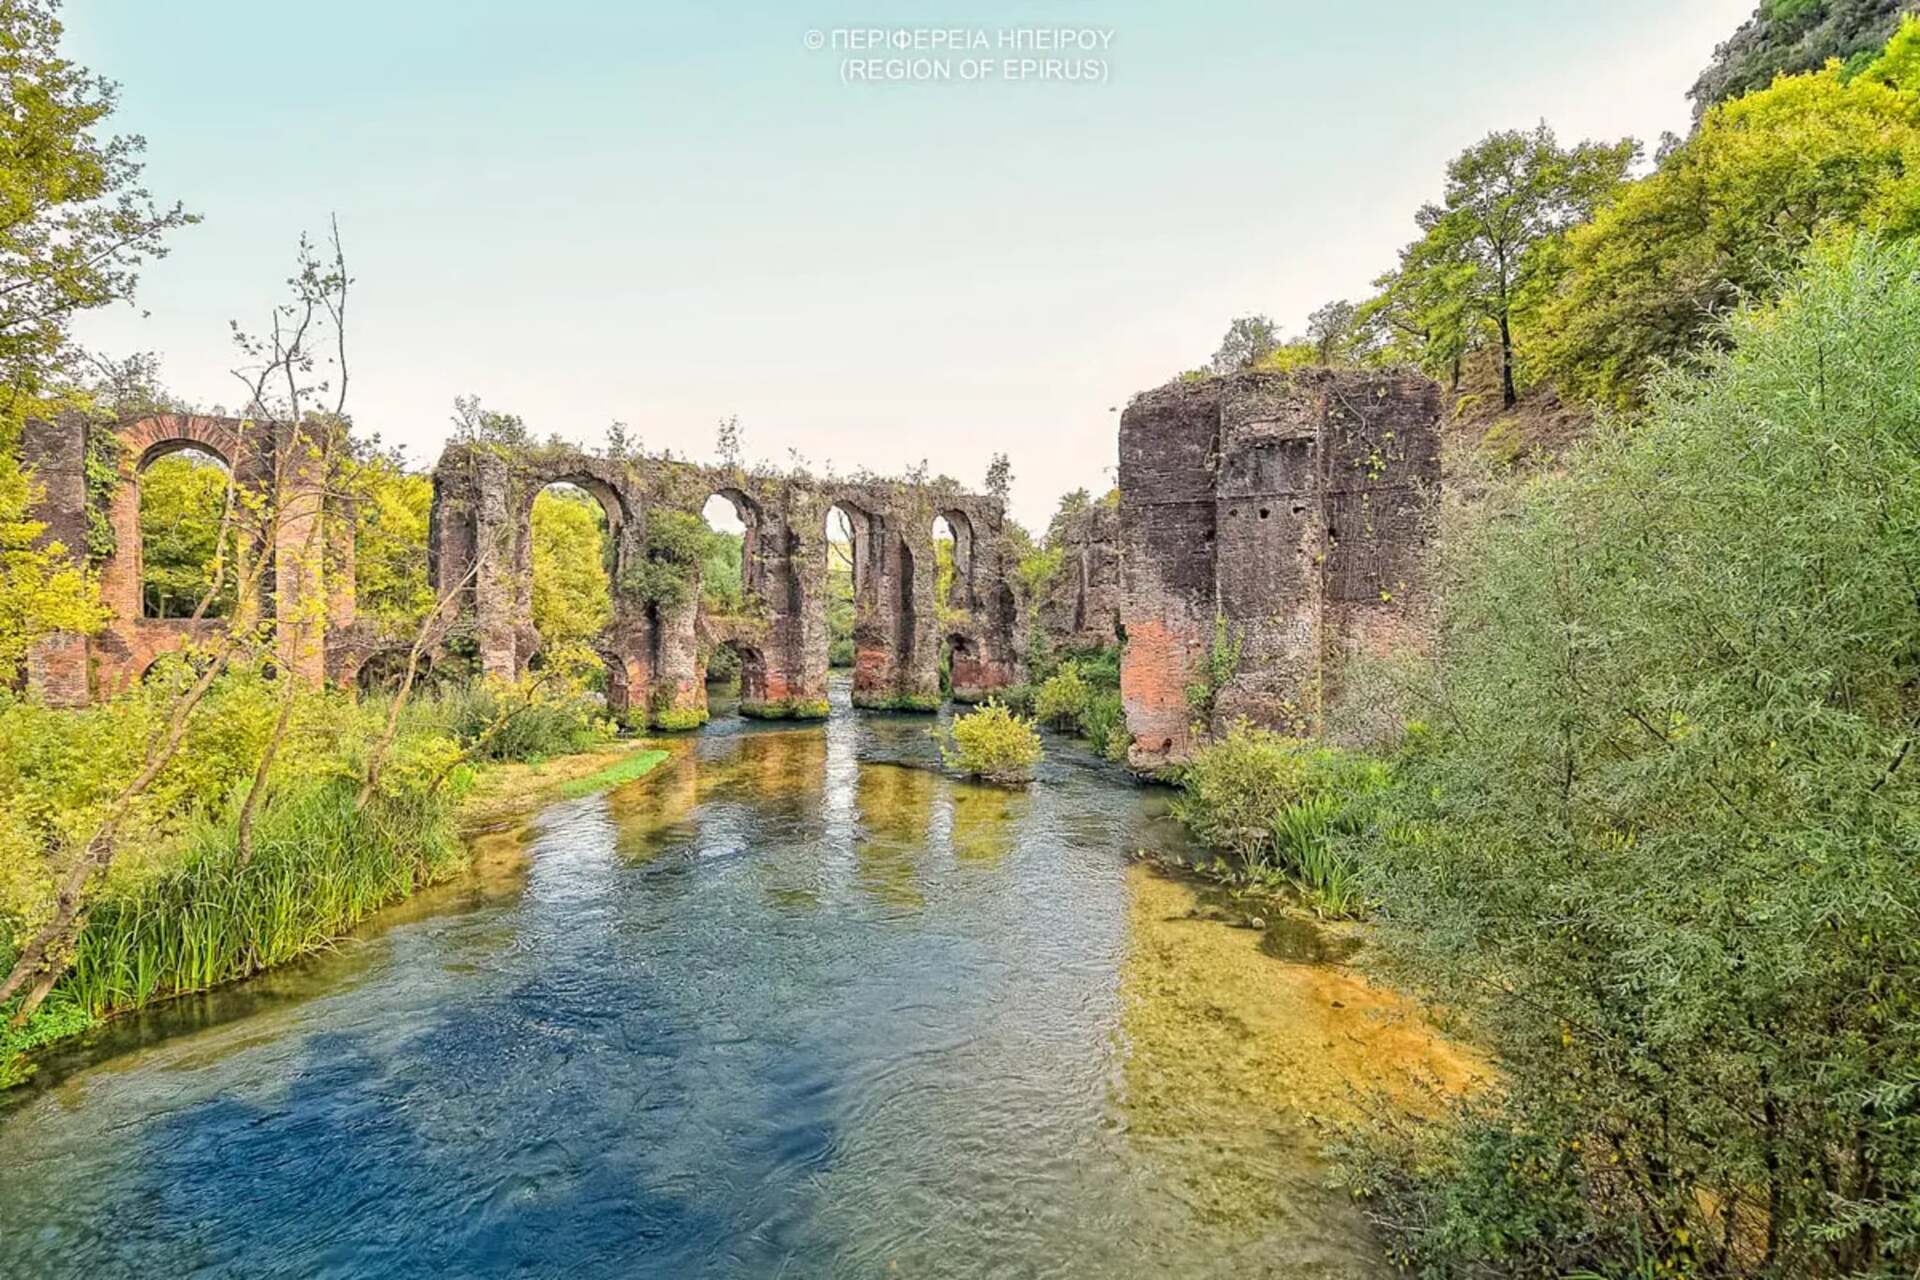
[1280, 520]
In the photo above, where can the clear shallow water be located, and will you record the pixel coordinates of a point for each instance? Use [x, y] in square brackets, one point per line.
[795, 1004]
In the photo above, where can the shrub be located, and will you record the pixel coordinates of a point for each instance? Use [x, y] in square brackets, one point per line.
[1283, 807]
[498, 721]
[1062, 700]
[1104, 721]
[1659, 843]
[992, 743]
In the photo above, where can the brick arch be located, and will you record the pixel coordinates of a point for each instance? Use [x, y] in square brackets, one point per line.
[483, 496]
[144, 441]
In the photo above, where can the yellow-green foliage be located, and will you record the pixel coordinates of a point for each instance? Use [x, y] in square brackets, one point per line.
[1062, 701]
[992, 743]
[1286, 810]
[175, 912]
[572, 592]
[1724, 216]
[40, 590]
[390, 543]
[181, 500]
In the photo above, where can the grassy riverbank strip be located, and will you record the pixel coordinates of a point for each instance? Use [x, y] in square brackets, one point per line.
[185, 911]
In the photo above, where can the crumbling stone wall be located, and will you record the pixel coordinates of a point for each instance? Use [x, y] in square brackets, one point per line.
[1283, 516]
[282, 466]
[660, 642]
[1080, 608]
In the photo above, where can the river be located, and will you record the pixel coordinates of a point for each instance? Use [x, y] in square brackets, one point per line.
[795, 1004]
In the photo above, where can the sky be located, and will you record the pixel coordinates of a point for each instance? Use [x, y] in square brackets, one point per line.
[670, 213]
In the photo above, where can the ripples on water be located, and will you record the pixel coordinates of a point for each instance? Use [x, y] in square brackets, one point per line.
[795, 1004]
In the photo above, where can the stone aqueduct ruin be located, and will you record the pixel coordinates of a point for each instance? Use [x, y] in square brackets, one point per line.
[657, 646]
[1289, 514]
[658, 643]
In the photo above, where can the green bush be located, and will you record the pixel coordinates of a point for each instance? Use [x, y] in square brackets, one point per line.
[1062, 700]
[176, 911]
[1283, 808]
[992, 743]
[1104, 722]
[1659, 847]
[524, 724]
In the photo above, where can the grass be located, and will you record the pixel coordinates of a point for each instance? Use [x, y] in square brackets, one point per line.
[636, 765]
[320, 867]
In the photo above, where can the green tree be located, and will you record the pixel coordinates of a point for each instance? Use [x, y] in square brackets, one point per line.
[1247, 341]
[1724, 219]
[75, 227]
[1658, 843]
[1786, 37]
[474, 423]
[572, 595]
[391, 506]
[75, 224]
[182, 497]
[1334, 332]
[1505, 196]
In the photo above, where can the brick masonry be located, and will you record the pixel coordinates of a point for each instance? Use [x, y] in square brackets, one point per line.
[1291, 513]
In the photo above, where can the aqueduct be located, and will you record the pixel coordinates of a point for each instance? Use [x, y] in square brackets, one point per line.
[662, 632]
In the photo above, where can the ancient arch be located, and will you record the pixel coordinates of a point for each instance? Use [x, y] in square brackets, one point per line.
[89, 476]
[479, 557]
[663, 632]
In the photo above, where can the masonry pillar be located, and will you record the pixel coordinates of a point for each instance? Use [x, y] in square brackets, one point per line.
[55, 456]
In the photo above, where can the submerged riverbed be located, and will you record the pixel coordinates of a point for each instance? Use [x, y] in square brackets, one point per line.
[793, 1004]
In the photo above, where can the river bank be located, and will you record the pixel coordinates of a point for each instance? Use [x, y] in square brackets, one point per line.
[797, 998]
[219, 920]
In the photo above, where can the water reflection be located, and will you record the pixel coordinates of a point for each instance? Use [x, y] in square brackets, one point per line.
[895, 807]
[984, 822]
[796, 1003]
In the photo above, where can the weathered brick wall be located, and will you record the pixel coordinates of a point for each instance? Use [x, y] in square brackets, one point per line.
[483, 500]
[73, 670]
[1289, 514]
[1081, 606]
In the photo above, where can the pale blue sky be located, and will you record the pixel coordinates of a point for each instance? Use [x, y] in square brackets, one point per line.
[671, 212]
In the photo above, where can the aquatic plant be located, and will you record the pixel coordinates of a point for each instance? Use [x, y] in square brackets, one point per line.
[1283, 809]
[992, 743]
[637, 764]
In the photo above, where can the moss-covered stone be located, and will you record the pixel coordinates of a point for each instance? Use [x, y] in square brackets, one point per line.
[679, 719]
[786, 709]
[917, 702]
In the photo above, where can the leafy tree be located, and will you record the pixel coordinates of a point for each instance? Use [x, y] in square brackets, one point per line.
[1658, 844]
[621, 442]
[75, 224]
[182, 497]
[1248, 339]
[40, 590]
[727, 443]
[391, 507]
[1505, 196]
[1422, 314]
[1000, 477]
[473, 423]
[1333, 331]
[572, 595]
[1724, 219]
[75, 227]
[1785, 37]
